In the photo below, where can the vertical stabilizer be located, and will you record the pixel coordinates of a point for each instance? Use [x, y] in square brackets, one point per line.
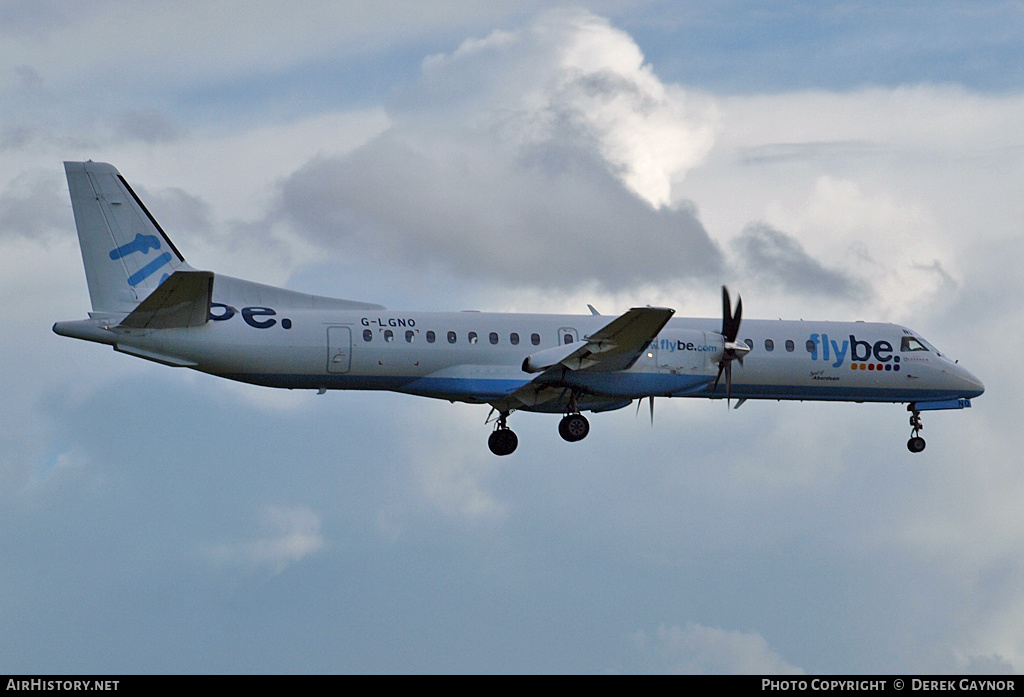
[125, 252]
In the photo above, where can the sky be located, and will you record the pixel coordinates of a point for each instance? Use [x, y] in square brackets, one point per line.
[834, 160]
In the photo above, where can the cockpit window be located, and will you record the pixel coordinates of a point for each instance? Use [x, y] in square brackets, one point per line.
[911, 343]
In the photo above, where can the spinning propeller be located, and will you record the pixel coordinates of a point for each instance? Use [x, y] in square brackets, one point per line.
[640, 402]
[733, 350]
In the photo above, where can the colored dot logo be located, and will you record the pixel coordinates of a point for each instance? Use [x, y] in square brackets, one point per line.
[874, 366]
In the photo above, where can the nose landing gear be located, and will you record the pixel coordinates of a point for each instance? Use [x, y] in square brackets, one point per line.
[916, 442]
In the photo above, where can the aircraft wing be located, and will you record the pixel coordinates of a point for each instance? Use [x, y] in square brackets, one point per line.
[182, 300]
[616, 346]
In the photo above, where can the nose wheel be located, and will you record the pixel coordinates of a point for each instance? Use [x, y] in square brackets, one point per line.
[916, 442]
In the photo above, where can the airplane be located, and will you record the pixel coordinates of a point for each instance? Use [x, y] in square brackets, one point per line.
[149, 303]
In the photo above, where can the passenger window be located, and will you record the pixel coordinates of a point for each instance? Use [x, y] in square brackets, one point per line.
[811, 346]
[535, 339]
[909, 343]
[409, 335]
[749, 343]
[472, 337]
[493, 337]
[769, 345]
[367, 335]
[389, 335]
[790, 345]
[452, 338]
[513, 339]
[430, 337]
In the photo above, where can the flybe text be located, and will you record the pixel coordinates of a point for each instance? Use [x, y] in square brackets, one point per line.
[822, 348]
[673, 345]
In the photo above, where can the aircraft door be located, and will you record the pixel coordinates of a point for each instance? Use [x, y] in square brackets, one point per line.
[339, 349]
[567, 335]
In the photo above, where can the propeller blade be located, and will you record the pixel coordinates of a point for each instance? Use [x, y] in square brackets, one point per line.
[726, 313]
[728, 384]
[640, 402]
[730, 321]
[730, 350]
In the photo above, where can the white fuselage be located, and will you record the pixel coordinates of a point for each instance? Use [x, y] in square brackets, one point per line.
[477, 357]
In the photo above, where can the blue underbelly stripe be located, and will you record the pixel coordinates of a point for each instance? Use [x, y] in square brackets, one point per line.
[484, 389]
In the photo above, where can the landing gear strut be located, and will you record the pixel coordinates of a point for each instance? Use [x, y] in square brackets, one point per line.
[573, 426]
[916, 442]
[503, 440]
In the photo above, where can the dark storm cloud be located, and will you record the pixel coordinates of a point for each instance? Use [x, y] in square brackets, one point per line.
[780, 259]
[547, 215]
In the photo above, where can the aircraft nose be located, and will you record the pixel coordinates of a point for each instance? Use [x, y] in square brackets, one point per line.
[969, 386]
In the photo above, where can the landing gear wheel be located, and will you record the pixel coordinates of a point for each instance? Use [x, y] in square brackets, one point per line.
[915, 444]
[573, 427]
[503, 441]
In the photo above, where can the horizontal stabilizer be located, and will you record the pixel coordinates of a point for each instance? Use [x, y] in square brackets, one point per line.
[183, 300]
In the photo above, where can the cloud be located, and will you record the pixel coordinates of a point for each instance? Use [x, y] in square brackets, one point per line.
[892, 188]
[453, 486]
[699, 650]
[572, 77]
[148, 125]
[545, 156]
[778, 258]
[775, 153]
[178, 210]
[889, 248]
[33, 205]
[294, 534]
[552, 217]
[987, 665]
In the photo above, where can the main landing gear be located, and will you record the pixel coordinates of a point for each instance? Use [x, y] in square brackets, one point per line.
[573, 426]
[503, 440]
[916, 442]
